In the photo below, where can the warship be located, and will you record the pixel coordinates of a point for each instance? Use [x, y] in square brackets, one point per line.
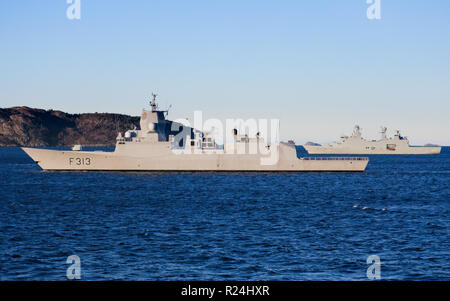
[164, 145]
[355, 144]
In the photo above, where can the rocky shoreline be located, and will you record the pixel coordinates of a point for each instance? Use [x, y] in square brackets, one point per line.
[24, 126]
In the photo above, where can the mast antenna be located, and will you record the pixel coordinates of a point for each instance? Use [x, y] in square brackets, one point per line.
[167, 111]
[153, 102]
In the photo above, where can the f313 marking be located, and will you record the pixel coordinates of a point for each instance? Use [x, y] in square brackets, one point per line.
[80, 161]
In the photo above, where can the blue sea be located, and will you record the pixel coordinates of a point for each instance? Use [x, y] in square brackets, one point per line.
[227, 226]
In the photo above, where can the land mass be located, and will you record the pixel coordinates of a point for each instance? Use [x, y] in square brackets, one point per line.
[24, 126]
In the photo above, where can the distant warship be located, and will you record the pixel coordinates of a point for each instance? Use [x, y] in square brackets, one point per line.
[154, 148]
[355, 144]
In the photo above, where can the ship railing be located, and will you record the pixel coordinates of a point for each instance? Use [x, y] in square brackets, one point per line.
[337, 158]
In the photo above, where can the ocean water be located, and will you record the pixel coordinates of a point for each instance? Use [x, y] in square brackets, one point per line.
[227, 226]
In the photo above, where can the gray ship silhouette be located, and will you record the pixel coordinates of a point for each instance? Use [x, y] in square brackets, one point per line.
[156, 146]
[355, 144]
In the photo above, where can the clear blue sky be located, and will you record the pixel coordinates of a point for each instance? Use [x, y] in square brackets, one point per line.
[320, 66]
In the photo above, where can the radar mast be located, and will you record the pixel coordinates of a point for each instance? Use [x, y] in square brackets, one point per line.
[153, 102]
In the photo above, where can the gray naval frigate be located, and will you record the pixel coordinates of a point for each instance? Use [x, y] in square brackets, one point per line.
[154, 147]
[355, 144]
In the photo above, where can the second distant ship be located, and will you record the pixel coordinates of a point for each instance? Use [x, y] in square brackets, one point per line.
[355, 144]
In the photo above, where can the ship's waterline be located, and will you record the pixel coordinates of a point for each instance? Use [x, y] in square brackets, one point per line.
[97, 161]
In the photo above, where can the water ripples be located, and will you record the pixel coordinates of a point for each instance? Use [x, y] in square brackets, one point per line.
[226, 226]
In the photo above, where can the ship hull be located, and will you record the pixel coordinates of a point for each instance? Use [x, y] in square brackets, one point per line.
[57, 160]
[415, 150]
